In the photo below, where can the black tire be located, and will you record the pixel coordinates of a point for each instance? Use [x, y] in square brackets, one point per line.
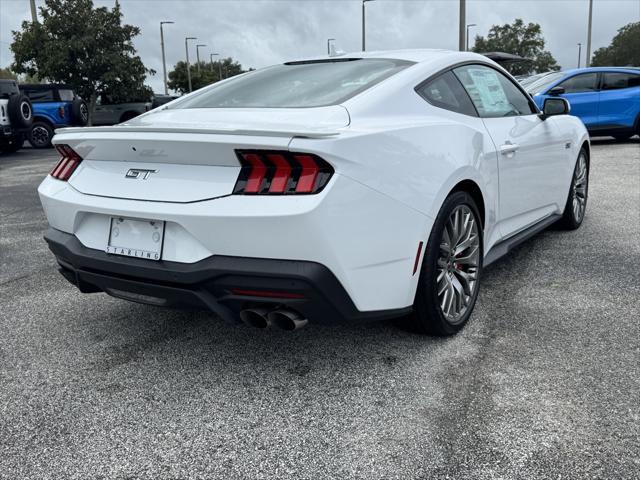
[40, 135]
[13, 145]
[570, 220]
[428, 316]
[80, 112]
[20, 111]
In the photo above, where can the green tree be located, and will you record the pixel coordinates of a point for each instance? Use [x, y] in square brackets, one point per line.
[623, 51]
[85, 47]
[518, 39]
[6, 73]
[209, 73]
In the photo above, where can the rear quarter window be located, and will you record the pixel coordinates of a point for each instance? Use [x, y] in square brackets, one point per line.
[66, 95]
[445, 91]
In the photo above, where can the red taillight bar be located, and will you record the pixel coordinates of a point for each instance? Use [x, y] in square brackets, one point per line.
[266, 293]
[257, 172]
[67, 164]
[269, 172]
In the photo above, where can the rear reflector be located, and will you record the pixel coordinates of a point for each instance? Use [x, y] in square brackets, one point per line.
[417, 261]
[269, 172]
[265, 293]
[67, 164]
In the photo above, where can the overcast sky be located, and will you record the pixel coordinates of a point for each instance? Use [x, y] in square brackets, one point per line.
[262, 32]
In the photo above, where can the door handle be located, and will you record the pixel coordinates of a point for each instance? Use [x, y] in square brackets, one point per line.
[509, 148]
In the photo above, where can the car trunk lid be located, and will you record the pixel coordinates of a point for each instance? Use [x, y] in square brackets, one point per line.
[186, 155]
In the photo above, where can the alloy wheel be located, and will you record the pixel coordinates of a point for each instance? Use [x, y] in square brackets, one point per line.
[579, 188]
[458, 264]
[40, 135]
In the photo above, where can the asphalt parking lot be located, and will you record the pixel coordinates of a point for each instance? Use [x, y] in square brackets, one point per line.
[543, 383]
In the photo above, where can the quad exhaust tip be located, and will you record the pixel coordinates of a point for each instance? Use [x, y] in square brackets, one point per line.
[256, 317]
[264, 317]
[287, 319]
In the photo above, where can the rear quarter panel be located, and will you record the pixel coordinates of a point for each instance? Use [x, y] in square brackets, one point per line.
[416, 159]
[50, 111]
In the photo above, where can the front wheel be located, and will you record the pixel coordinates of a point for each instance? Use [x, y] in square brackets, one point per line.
[450, 274]
[578, 193]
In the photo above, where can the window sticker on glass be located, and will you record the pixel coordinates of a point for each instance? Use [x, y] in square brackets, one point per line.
[488, 90]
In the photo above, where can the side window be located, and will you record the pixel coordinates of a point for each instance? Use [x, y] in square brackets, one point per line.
[587, 82]
[445, 91]
[65, 95]
[618, 80]
[493, 94]
[39, 95]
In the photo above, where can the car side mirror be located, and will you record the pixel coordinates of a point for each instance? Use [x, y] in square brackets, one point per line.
[556, 91]
[555, 106]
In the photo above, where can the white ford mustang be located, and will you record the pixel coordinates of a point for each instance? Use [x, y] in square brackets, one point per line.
[365, 186]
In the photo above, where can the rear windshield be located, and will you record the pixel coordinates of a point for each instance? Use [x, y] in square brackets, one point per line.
[542, 83]
[303, 84]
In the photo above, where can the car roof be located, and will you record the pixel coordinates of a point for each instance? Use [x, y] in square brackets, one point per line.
[417, 55]
[601, 69]
[43, 86]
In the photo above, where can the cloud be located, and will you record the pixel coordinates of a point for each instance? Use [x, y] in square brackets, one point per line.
[263, 32]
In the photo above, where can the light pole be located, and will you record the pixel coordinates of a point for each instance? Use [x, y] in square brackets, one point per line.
[463, 21]
[164, 63]
[469, 25]
[198, 55]
[579, 53]
[363, 26]
[34, 15]
[219, 65]
[186, 47]
[587, 60]
[329, 40]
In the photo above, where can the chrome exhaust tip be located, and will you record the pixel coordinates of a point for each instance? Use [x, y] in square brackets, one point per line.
[287, 319]
[256, 317]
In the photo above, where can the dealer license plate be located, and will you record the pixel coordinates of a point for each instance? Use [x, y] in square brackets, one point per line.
[136, 238]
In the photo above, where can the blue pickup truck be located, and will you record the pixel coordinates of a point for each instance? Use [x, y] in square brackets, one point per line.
[54, 106]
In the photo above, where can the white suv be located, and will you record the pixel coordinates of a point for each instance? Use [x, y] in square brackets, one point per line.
[16, 116]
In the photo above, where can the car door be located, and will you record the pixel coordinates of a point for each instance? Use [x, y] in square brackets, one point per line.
[582, 92]
[619, 100]
[530, 150]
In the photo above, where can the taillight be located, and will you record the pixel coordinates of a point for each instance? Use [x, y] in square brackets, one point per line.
[273, 172]
[67, 164]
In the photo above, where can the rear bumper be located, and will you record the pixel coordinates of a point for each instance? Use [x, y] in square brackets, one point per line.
[209, 283]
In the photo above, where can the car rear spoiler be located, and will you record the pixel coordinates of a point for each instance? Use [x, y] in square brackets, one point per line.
[316, 133]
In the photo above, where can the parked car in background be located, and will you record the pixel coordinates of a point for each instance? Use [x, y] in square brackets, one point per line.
[525, 81]
[606, 99]
[54, 106]
[16, 116]
[160, 99]
[110, 113]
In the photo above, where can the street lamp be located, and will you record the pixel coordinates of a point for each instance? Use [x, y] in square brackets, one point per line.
[579, 53]
[164, 63]
[329, 40]
[186, 47]
[363, 27]
[469, 25]
[219, 65]
[198, 55]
